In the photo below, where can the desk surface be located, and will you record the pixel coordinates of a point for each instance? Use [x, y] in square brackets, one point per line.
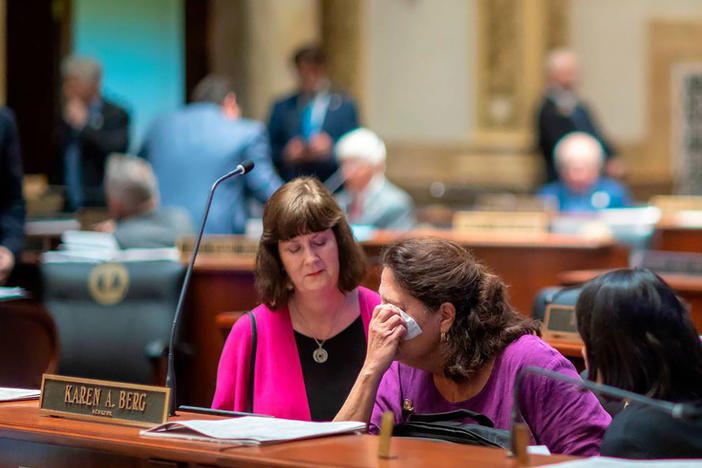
[21, 423]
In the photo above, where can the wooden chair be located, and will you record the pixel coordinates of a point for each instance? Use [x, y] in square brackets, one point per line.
[226, 320]
[28, 344]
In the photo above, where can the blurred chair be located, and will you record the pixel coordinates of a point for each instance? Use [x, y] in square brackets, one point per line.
[226, 320]
[28, 344]
[113, 319]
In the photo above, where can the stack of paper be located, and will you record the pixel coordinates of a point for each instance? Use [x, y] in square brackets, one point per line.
[12, 394]
[252, 430]
[605, 462]
[10, 293]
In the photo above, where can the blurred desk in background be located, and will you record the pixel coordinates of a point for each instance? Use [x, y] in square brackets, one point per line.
[679, 232]
[526, 262]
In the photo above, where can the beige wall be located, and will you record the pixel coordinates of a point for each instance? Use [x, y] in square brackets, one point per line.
[418, 57]
[611, 38]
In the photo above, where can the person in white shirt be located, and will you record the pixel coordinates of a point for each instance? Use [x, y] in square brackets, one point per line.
[368, 197]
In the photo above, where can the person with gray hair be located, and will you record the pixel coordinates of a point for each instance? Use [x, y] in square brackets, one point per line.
[132, 199]
[90, 128]
[192, 147]
[579, 158]
[562, 112]
[368, 197]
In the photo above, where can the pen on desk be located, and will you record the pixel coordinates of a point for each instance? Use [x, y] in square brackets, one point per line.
[218, 412]
[385, 434]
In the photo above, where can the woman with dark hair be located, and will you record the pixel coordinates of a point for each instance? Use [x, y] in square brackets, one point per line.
[311, 328]
[639, 337]
[472, 346]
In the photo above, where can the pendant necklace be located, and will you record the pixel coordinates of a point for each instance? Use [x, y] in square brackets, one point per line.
[319, 355]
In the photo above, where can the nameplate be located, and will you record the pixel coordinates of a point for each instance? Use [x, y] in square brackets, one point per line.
[105, 401]
[239, 246]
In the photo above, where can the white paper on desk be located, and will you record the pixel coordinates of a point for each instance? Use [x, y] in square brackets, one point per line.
[413, 329]
[12, 394]
[252, 429]
[606, 462]
[7, 293]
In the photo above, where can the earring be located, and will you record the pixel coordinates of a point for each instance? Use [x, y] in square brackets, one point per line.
[444, 338]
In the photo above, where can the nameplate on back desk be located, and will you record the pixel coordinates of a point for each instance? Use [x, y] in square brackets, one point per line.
[105, 401]
[240, 246]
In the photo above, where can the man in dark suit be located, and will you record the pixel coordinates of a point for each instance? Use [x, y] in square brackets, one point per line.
[304, 126]
[89, 129]
[12, 209]
[562, 112]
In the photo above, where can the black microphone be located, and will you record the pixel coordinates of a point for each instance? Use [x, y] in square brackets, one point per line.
[243, 168]
[677, 410]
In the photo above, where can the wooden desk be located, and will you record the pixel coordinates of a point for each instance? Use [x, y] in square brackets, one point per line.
[29, 439]
[688, 287]
[678, 232]
[526, 263]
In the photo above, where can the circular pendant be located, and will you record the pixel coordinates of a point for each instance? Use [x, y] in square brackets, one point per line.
[320, 355]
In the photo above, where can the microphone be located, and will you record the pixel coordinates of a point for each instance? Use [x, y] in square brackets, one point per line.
[677, 410]
[243, 168]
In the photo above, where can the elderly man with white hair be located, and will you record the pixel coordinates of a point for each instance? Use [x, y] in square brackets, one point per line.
[133, 201]
[579, 161]
[89, 129]
[368, 197]
[562, 112]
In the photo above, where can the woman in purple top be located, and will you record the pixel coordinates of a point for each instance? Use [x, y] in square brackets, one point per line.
[471, 348]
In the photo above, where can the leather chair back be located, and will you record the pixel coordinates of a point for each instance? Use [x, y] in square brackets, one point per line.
[109, 314]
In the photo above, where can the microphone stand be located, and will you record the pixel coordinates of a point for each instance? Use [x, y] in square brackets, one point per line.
[518, 449]
[243, 168]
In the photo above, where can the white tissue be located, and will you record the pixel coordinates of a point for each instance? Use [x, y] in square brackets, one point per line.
[413, 328]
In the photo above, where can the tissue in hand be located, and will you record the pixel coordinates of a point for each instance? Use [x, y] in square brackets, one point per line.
[413, 328]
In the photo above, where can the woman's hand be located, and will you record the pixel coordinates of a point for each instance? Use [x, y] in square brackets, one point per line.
[385, 331]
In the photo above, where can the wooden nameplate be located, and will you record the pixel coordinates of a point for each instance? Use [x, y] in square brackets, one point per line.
[105, 401]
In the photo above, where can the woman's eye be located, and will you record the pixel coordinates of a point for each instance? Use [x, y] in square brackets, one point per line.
[320, 242]
[294, 249]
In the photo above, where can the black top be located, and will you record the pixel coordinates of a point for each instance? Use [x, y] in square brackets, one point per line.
[329, 383]
[639, 432]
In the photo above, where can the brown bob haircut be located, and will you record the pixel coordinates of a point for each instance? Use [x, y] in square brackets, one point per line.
[436, 271]
[303, 206]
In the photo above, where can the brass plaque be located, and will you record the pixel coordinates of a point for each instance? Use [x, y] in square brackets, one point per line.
[102, 400]
[108, 283]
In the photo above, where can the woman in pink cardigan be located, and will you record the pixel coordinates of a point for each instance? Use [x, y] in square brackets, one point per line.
[312, 326]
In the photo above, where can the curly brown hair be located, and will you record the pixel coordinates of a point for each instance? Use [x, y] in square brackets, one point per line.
[436, 271]
[303, 206]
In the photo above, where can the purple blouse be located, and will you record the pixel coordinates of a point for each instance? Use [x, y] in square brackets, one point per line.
[566, 420]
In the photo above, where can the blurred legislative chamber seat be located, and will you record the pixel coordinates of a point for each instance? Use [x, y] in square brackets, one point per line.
[113, 318]
[30, 439]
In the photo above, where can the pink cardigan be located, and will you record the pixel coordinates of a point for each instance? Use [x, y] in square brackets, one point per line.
[279, 388]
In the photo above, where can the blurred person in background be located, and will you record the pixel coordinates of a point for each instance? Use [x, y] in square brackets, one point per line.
[304, 125]
[562, 112]
[581, 187]
[368, 197]
[133, 202]
[191, 148]
[90, 128]
[12, 206]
